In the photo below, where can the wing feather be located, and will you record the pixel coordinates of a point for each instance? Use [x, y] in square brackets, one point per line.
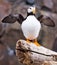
[13, 18]
[45, 19]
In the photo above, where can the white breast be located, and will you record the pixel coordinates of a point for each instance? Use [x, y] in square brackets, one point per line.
[31, 27]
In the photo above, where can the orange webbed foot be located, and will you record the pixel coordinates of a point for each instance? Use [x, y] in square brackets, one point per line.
[28, 40]
[33, 41]
[37, 44]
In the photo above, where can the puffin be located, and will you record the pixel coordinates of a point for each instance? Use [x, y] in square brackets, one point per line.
[31, 25]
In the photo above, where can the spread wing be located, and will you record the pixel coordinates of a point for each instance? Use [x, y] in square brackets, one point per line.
[13, 18]
[45, 19]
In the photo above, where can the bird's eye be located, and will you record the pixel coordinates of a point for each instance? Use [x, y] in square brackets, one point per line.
[30, 8]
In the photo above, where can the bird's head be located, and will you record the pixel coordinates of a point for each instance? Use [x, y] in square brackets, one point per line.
[31, 10]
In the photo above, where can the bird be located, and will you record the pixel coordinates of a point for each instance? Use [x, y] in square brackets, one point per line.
[31, 25]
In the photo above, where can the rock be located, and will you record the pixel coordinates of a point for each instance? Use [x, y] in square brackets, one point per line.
[30, 54]
[48, 3]
[4, 8]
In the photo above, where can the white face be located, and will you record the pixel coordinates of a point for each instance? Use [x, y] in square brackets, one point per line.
[30, 9]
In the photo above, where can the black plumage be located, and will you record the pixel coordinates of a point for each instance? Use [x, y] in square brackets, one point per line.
[13, 18]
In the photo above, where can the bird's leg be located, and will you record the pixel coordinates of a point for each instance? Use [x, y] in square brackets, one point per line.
[36, 43]
[33, 41]
[28, 40]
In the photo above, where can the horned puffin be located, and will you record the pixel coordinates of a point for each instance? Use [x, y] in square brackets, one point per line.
[31, 25]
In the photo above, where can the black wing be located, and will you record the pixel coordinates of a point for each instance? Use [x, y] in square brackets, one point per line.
[46, 21]
[9, 19]
[13, 18]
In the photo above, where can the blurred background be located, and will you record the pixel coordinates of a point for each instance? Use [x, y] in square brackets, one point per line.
[10, 33]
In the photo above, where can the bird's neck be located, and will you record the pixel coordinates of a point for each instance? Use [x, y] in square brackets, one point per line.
[28, 14]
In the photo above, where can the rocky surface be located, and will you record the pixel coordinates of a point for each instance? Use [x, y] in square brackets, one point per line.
[30, 54]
